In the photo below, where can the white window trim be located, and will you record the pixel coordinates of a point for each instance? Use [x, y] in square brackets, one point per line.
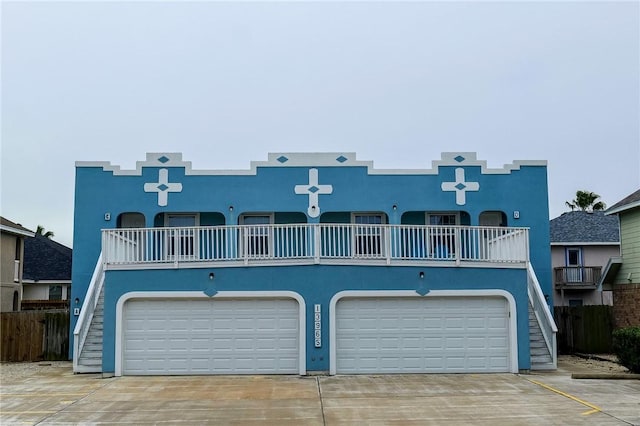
[16, 271]
[243, 241]
[448, 234]
[196, 215]
[196, 242]
[381, 214]
[271, 217]
[444, 213]
[355, 235]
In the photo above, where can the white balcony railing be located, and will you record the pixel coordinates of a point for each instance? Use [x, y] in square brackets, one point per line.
[314, 243]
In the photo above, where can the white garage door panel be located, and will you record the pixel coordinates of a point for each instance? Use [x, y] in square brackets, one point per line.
[401, 335]
[216, 336]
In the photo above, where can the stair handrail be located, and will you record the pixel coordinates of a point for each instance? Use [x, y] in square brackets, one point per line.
[89, 304]
[542, 313]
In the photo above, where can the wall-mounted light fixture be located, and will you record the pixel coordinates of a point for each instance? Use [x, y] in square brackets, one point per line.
[230, 208]
[421, 275]
[211, 276]
[395, 207]
[76, 307]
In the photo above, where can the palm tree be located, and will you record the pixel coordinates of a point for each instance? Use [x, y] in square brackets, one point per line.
[40, 231]
[586, 201]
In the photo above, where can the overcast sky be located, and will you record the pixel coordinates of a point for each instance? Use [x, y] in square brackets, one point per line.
[226, 83]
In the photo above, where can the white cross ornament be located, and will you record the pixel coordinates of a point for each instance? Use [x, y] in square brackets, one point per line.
[460, 186]
[163, 187]
[313, 189]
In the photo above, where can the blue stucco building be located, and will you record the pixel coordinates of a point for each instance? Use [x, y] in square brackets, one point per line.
[311, 262]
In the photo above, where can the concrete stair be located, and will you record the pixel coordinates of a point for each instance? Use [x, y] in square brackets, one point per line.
[541, 358]
[90, 360]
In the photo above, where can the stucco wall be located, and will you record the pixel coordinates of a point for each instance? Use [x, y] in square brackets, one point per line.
[317, 284]
[8, 257]
[102, 192]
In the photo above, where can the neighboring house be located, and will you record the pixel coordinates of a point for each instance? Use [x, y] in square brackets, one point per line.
[311, 263]
[622, 273]
[581, 244]
[12, 254]
[47, 270]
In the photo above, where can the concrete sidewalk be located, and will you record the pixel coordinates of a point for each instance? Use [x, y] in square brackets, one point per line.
[56, 396]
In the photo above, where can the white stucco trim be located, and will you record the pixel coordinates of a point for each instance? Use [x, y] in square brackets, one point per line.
[513, 323]
[610, 243]
[302, 361]
[311, 159]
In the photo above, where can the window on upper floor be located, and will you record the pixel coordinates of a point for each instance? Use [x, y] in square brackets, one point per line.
[257, 236]
[55, 292]
[368, 234]
[182, 242]
[492, 218]
[573, 258]
[130, 220]
[18, 249]
[443, 239]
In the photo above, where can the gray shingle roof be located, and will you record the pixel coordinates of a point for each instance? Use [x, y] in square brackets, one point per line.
[626, 201]
[44, 259]
[584, 227]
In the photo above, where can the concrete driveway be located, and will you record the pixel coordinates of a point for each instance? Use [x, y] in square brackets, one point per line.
[53, 395]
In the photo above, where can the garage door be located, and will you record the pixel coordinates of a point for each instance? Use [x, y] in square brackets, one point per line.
[213, 336]
[429, 334]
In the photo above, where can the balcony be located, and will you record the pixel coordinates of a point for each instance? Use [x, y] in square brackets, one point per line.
[577, 277]
[291, 244]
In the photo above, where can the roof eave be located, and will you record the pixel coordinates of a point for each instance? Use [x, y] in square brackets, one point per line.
[623, 208]
[16, 231]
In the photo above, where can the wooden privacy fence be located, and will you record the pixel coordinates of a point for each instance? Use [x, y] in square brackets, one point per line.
[585, 329]
[34, 336]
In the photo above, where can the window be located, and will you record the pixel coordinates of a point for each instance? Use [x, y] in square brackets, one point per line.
[18, 249]
[443, 240]
[55, 292]
[368, 235]
[575, 302]
[443, 219]
[574, 264]
[16, 263]
[182, 240]
[257, 236]
[493, 218]
[130, 220]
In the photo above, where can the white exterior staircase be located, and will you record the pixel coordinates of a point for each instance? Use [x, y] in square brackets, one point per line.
[542, 328]
[90, 359]
[541, 358]
[87, 344]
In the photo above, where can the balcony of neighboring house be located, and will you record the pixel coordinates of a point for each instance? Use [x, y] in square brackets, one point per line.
[268, 244]
[577, 277]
